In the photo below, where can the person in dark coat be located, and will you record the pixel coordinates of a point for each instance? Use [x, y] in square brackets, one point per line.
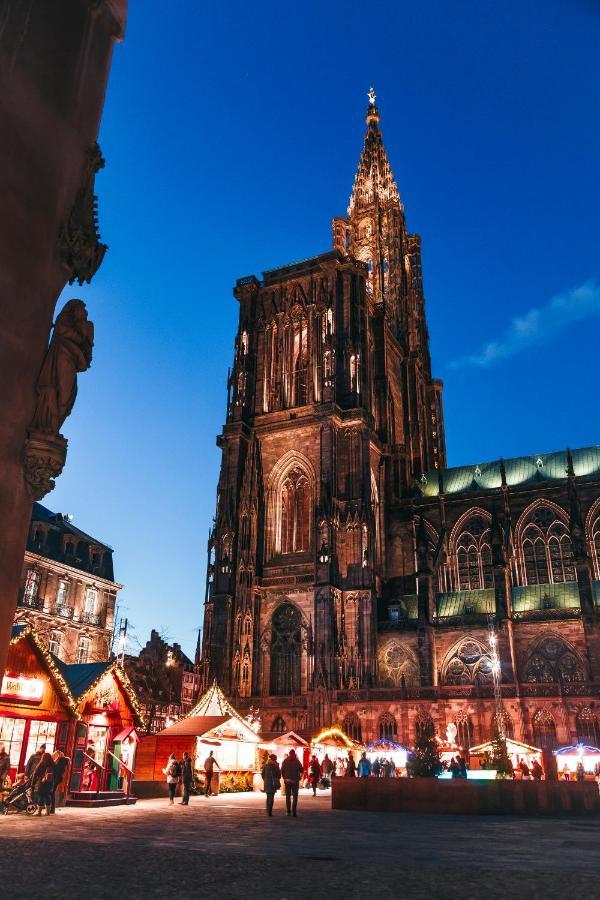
[351, 767]
[43, 783]
[61, 764]
[187, 778]
[291, 770]
[271, 776]
[4, 765]
[34, 759]
[314, 773]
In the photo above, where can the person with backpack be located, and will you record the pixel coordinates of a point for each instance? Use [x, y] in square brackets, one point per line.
[209, 767]
[187, 778]
[291, 770]
[173, 772]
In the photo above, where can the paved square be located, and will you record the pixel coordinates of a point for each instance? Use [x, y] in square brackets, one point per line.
[227, 847]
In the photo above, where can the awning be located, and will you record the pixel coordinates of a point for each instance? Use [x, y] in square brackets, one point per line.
[130, 731]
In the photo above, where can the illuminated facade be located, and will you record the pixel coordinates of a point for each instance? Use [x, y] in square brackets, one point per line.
[68, 592]
[352, 576]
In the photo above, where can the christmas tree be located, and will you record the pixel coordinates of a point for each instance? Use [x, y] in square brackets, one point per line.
[424, 761]
[500, 760]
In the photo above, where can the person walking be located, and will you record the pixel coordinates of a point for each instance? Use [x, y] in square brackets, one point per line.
[187, 777]
[209, 767]
[271, 776]
[291, 770]
[327, 767]
[314, 773]
[351, 767]
[61, 764]
[364, 766]
[43, 783]
[173, 772]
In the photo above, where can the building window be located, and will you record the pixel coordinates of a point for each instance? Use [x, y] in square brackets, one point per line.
[55, 642]
[32, 585]
[352, 727]
[62, 593]
[474, 555]
[588, 729]
[83, 650]
[546, 548]
[286, 653]
[468, 663]
[552, 661]
[295, 512]
[509, 728]
[90, 604]
[278, 725]
[464, 731]
[544, 730]
[398, 666]
[388, 730]
[595, 537]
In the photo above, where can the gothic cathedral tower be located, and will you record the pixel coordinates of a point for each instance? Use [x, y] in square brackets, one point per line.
[331, 413]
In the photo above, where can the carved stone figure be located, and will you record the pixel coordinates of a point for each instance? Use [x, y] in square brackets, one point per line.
[79, 242]
[70, 352]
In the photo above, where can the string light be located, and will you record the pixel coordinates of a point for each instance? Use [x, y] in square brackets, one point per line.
[337, 732]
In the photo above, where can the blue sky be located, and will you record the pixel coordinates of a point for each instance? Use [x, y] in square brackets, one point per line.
[231, 135]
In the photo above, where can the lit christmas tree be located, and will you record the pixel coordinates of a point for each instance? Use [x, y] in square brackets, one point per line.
[424, 761]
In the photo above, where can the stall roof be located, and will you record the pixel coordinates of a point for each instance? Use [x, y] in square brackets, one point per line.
[511, 744]
[194, 726]
[335, 737]
[577, 750]
[82, 678]
[27, 632]
[385, 744]
[289, 739]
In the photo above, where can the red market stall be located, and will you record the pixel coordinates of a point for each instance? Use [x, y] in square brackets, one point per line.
[36, 705]
[213, 725]
[108, 731]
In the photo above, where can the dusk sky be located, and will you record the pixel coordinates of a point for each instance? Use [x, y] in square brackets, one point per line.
[231, 134]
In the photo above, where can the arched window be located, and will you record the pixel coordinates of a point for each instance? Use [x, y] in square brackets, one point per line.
[546, 548]
[424, 725]
[588, 729]
[595, 541]
[286, 650]
[295, 512]
[464, 731]
[468, 663]
[474, 555]
[388, 730]
[553, 661]
[83, 650]
[352, 727]
[397, 665]
[544, 730]
[55, 642]
[278, 726]
[509, 728]
[32, 585]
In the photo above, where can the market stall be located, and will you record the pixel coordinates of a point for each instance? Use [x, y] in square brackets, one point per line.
[384, 748]
[283, 743]
[36, 705]
[109, 727]
[569, 758]
[213, 725]
[337, 745]
[518, 752]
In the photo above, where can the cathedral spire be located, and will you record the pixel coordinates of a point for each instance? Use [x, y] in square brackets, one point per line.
[374, 180]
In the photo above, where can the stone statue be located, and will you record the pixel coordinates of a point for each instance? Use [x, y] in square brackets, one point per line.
[70, 352]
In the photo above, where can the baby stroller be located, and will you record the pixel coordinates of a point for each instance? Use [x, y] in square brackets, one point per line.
[19, 799]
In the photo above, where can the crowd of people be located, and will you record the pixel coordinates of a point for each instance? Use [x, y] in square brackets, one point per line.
[43, 776]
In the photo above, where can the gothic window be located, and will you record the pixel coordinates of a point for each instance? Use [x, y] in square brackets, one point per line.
[595, 540]
[295, 361]
[32, 585]
[474, 555]
[352, 727]
[286, 650]
[397, 666]
[546, 547]
[464, 731]
[55, 642]
[295, 513]
[244, 342]
[509, 728]
[247, 625]
[355, 373]
[552, 661]
[278, 725]
[588, 729]
[469, 663]
[388, 729]
[83, 650]
[245, 675]
[544, 730]
[236, 674]
[424, 725]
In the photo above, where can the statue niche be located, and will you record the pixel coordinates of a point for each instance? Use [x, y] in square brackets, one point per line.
[69, 352]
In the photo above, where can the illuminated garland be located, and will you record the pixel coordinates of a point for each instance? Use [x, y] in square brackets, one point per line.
[335, 731]
[127, 686]
[29, 631]
[223, 704]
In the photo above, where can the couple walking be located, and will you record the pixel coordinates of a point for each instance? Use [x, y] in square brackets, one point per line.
[291, 772]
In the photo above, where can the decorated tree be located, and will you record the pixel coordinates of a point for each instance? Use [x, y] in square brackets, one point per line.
[424, 761]
[499, 758]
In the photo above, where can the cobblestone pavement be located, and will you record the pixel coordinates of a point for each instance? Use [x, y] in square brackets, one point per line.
[227, 847]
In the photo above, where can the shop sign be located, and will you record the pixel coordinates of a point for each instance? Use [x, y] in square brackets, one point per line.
[22, 687]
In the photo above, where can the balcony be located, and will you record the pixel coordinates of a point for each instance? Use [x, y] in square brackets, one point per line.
[89, 618]
[65, 612]
[33, 603]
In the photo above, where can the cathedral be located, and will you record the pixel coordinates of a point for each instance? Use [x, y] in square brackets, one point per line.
[353, 578]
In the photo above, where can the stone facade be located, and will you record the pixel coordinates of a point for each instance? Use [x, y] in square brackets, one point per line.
[68, 592]
[352, 576]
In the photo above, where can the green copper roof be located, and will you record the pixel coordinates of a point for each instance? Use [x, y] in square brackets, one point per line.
[521, 470]
[409, 606]
[464, 603]
[545, 596]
